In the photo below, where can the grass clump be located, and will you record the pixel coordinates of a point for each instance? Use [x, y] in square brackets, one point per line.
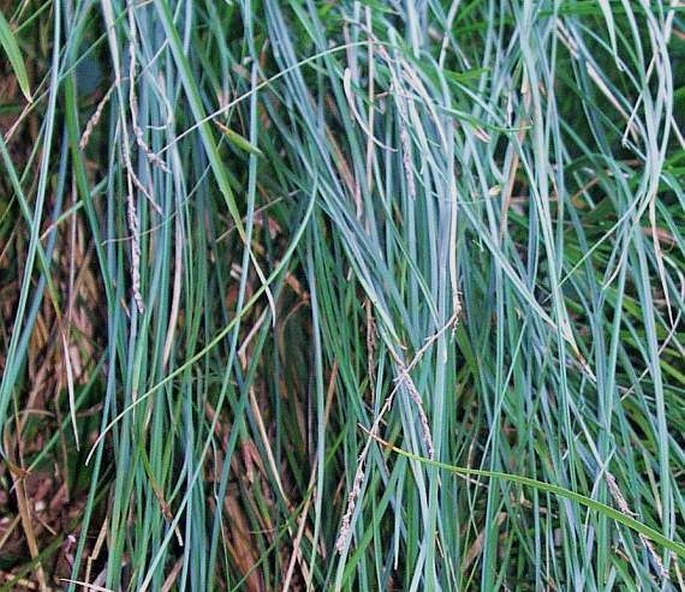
[360, 296]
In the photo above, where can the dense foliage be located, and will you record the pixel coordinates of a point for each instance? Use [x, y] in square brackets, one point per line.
[342, 295]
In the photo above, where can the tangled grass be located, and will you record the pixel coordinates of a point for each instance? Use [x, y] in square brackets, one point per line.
[350, 296]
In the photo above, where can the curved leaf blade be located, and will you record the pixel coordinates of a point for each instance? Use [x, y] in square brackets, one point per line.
[9, 44]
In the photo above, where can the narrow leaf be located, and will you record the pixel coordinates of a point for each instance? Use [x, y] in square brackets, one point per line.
[9, 44]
